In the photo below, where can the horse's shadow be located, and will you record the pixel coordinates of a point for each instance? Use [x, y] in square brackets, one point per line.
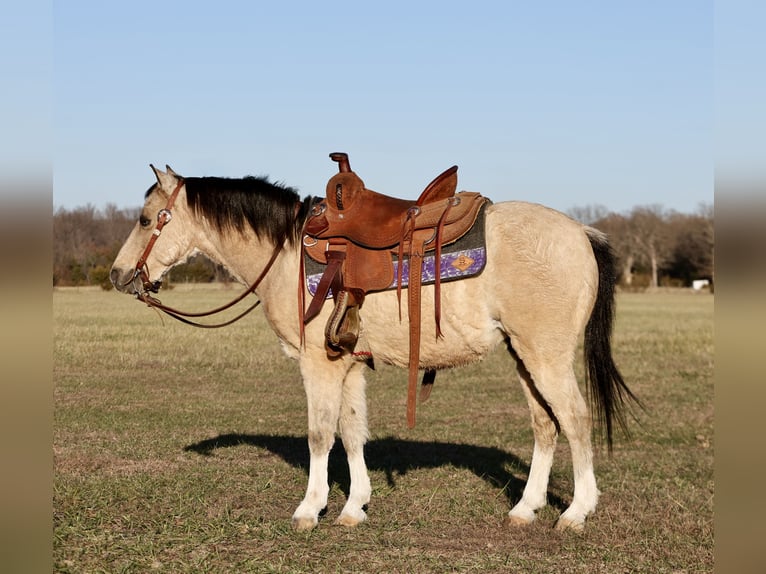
[393, 456]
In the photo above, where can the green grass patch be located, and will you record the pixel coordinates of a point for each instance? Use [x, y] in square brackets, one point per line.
[184, 450]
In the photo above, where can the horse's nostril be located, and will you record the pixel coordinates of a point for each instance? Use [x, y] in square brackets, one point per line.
[119, 279]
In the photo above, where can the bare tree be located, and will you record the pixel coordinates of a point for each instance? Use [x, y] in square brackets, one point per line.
[692, 252]
[648, 230]
[588, 214]
[617, 228]
[707, 213]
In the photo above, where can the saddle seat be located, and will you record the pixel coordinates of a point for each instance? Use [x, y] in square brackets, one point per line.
[359, 234]
[366, 217]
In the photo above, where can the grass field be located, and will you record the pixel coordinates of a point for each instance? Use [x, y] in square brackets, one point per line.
[184, 450]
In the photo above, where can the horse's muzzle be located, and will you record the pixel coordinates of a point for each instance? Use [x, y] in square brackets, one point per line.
[133, 282]
[122, 280]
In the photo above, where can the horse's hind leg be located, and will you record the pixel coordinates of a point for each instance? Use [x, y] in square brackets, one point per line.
[323, 382]
[354, 432]
[555, 381]
[546, 431]
[573, 414]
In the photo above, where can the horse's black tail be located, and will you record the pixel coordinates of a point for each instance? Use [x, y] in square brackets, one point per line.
[608, 391]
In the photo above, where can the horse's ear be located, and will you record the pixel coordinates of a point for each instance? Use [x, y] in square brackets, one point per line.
[167, 180]
[170, 171]
[156, 171]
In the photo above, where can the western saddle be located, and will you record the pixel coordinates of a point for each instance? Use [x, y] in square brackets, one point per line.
[362, 236]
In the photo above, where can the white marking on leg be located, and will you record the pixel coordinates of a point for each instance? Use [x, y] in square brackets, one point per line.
[323, 384]
[354, 432]
[536, 490]
[576, 425]
[535, 494]
[306, 516]
[586, 492]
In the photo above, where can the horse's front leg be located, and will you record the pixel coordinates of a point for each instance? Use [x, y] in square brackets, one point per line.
[323, 382]
[354, 432]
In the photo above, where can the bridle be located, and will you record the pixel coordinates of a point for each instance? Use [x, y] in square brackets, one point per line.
[142, 272]
[143, 285]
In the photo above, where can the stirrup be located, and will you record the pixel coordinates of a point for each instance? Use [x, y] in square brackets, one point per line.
[342, 329]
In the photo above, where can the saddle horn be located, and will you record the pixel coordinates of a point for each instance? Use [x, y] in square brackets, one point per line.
[342, 159]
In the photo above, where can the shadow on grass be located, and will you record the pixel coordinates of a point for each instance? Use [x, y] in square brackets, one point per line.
[394, 457]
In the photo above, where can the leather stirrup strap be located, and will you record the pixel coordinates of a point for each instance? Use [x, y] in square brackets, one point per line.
[302, 294]
[400, 273]
[334, 262]
[438, 281]
[413, 307]
[416, 264]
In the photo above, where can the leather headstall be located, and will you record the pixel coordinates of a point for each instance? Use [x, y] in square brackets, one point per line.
[163, 218]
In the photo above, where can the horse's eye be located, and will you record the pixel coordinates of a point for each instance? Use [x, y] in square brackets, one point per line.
[144, 221]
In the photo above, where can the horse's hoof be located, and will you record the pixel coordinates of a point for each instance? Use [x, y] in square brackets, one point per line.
[348, 520]
[516, 522]
[566, 524]
[304, 524]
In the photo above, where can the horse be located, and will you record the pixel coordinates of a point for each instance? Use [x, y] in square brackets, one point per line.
[548, 283]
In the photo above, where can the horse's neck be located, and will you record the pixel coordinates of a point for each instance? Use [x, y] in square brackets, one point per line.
[246, 258]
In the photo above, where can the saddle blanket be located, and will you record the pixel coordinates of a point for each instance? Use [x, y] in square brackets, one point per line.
[464, 258]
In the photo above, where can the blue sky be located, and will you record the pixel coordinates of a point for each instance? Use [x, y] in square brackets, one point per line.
[561, 103]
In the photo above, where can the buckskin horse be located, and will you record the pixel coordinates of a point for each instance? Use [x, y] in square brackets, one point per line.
[547, 282]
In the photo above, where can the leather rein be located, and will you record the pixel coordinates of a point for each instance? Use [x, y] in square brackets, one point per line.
[143, 284]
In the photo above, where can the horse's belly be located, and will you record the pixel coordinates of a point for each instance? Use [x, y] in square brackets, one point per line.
[468, 332]
[434, 354]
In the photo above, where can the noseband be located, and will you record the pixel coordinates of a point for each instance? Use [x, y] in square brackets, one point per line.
[143, 285]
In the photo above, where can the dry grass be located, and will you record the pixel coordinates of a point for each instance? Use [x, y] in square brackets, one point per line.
[183, 450]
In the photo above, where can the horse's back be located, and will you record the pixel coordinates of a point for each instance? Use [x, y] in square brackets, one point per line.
[529, 226]
[540, 276]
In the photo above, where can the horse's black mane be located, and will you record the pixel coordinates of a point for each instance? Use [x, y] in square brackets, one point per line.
[273, 210]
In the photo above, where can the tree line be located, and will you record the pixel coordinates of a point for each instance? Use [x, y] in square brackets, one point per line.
[654, 247]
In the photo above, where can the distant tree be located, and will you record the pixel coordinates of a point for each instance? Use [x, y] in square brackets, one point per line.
[617, 229]
[692, 253]
[706, 212]
[589, 214]
[651, 236]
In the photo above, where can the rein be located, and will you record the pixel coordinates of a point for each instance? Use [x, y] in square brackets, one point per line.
[141, 276]
[180, 315]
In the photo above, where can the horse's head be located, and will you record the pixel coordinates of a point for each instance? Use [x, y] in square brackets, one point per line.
[155, 245]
